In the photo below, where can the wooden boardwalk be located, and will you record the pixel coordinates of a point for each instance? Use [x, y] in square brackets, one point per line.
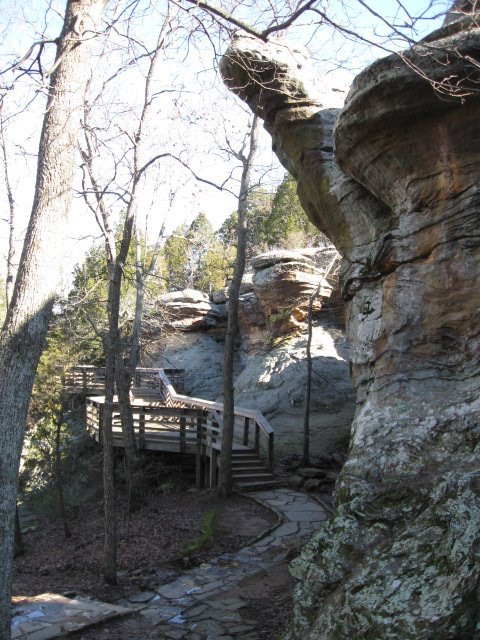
[168, 421]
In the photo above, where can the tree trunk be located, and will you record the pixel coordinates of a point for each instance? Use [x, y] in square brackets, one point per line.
[18, 545]
[111, 351]
[23, 334]
[123, 379]
[9, 282]
[59, 474]
[308, 385]
[225, 461]
[11, 212]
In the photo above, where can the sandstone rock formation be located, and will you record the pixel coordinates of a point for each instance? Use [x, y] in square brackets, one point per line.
[399, 560]
[190, 310]
[273, 381]
[199, 353]
[271, 365]
[281, 287]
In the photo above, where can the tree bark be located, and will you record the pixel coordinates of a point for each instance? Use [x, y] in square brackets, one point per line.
[23, 333]
[18, 546]
[59, 474]
[225, 460]
[112, 342]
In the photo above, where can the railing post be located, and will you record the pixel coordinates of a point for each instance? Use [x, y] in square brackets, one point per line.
[100, 418]
[257, 438]
[198, 460]
[270, 452]
[183, 434]
[84, 379]
[141, 428]
[213, 468]
[246, 428]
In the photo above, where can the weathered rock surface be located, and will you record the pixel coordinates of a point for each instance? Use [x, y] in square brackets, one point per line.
[200, 354]
[399, 560]
[191, 310]
[271, 367]
[273, 381]
[282, 284]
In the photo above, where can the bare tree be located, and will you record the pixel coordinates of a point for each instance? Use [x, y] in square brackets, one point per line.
[119, 370]
[225, 474]
[11, 208]
[24, 330]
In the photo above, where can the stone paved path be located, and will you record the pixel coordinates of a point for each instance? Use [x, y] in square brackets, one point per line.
[50, 615]
[197, 606]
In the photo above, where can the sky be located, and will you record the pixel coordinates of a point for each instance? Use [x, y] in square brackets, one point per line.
[194, 115]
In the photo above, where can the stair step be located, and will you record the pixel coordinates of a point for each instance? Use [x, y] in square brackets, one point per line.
[250, 477]
[256, 486]
[256, 469]
[247, 463]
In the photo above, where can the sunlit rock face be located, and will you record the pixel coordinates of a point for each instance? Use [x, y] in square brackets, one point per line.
[282, 284]
[400, 198]
[273, 326]
[190, 310]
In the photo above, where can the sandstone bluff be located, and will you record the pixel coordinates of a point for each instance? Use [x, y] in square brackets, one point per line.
[393, 180]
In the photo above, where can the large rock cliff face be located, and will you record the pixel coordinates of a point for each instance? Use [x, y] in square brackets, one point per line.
[400, 199]
[271, 367]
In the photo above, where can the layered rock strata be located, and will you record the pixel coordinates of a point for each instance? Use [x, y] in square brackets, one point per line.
[400, 199]
[190, 310]
[271, 366]
[281, 287]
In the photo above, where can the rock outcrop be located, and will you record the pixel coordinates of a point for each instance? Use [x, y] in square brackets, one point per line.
[400, 200]
[282, 284]
[273, 381]
[191, 310]
[270, 370]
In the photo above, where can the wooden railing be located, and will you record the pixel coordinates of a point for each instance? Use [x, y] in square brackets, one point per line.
[85, 378]
[171, 421]
[251, 427]
[91, 380]
[165, 428]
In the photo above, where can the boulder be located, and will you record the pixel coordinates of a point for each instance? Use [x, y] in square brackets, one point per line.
[191, 310]
[283, 282]
[272, 380]
[400, 200]
[199, 354]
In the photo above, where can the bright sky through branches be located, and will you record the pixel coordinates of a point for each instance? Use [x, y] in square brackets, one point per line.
[195, 118]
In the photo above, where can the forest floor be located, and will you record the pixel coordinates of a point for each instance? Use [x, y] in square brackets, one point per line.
[176, 528]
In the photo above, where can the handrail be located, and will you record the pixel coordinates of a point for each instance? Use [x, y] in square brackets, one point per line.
[261, 426]
[253, 426]
[91, 380]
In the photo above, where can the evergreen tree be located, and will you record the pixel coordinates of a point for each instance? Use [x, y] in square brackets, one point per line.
[196, 258]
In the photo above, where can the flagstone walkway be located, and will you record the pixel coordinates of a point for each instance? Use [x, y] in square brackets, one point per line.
[197, 605]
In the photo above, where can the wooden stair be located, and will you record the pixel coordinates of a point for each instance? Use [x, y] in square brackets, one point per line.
[249, 472]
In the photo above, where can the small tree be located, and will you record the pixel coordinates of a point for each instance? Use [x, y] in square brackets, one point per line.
[225, 476]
